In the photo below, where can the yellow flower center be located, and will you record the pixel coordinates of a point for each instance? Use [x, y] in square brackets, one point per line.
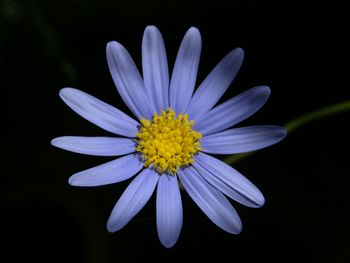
[168, 141]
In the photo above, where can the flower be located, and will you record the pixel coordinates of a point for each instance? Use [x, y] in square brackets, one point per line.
[175, 131]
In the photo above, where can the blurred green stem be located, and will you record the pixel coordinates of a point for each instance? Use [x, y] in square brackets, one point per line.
[299, 122]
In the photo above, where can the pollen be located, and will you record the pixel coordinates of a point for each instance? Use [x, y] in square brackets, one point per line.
[168, 142]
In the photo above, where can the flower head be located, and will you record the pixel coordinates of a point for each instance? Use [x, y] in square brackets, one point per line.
[175, 130]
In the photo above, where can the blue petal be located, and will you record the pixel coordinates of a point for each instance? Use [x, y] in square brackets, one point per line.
[99, 113]
[213, 203]
[108, 173]
[232, 111]
[133, 199]
[155, 68]
[241, 140]
[185, 70]
[215, 84]
[128, 81]
[99, 146]
[169, 210]
[226, 179]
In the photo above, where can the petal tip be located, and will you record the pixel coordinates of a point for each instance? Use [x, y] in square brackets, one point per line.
[114, 45]
[239, 229]
[76, 180]
[168, 244]
[60, 142]
[151, 28]
[114, 224]
[279, 132]
[68, 93]
[72, 181]
[260, 200]
[236, 227]
[55, 142]
[65, 91]
[283, 133]
[110, 227]
[193, 31]
[111, 43]
[237, 56]
[239, 51]
[265, 89]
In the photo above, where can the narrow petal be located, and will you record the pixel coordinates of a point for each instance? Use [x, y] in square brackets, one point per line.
[213, 203]
[99, 112]
[133, 199]
[229, 181]
[169, 210]
[128, 80]
[232, 111]
[215, 84]
[155, 68]
[241, 140]
[108, 173]
[185, 70]
[99, 146]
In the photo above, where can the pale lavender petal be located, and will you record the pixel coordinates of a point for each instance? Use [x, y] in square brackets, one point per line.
[108, 173]
[155, 68]
[215, 84]
[99, 146]
[241, 140]
[169, 210]
[128, 81]
[213, 203]
[99, 112]
[133, 199]
[185, 70]
[229, 181]
[232, 111]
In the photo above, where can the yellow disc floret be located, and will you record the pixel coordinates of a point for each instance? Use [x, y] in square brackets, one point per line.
[168, 141]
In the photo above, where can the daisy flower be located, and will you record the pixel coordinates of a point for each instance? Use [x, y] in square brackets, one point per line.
[176, 128]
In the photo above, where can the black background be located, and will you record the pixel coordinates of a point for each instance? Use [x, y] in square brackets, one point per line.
[300, 50]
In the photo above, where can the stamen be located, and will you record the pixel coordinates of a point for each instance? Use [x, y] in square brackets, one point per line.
[168, 142]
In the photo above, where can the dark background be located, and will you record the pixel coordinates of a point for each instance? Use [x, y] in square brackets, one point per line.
[299, 50]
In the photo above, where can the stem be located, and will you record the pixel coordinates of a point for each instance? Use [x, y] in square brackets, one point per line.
[299, 122]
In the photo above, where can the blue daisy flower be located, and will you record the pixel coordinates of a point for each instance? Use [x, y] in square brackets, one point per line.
[176, 128]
